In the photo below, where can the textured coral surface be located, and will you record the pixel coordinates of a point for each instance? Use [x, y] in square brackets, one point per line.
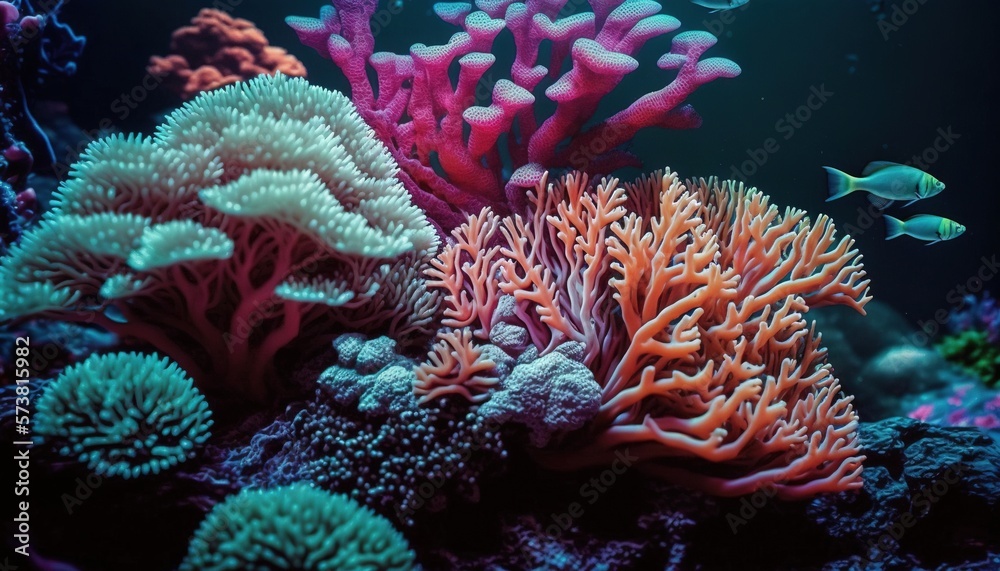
[217, 49]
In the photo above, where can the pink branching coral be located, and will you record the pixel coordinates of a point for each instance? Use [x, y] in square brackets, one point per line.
[217, 50]
[690, 303]
[422, 115]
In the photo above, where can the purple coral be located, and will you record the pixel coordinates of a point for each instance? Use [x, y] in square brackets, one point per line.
[423, 116]
[977, 314]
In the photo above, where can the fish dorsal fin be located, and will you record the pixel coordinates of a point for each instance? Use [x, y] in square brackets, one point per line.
[875, 166]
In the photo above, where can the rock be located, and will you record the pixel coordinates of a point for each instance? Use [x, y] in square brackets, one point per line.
[852, 339]
[894, 374]
[931, 498]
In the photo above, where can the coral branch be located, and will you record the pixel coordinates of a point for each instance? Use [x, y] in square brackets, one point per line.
[423, 117]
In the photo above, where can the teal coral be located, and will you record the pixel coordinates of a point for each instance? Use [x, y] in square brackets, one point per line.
[124, 414]
[258, 218]
[296, 527]
[973, 351]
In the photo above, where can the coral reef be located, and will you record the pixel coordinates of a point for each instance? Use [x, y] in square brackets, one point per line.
[963, 403]
[974, 352]
[919, 480]
[977, 314]
[689, 301]
[260, 215]
[295, 527]
[364, 434]
[124, 414]
[217, 50]
[33, 46]
[973, 342]
[423, 117]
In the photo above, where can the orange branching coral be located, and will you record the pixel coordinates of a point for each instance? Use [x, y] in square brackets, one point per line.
[473, 289]
[217, 50]
[691, 302]
[455, 366]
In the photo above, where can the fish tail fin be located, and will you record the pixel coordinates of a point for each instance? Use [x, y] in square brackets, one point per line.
[841, 184]
[893, 227]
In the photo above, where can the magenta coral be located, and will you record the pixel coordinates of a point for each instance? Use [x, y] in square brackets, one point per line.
[421, 114]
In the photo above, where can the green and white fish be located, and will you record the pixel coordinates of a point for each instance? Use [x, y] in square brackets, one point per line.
[891, 181]
[927, 227]
[720, 5]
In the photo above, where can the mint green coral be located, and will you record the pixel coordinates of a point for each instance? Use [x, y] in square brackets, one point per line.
[124, 414]
[295, 527]
[973, 351]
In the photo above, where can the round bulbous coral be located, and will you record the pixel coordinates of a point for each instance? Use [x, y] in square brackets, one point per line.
[296, 527]
[124, 414]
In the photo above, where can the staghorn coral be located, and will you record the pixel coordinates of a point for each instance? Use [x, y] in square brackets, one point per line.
[259, 215]
[295, 527]
[689, 302]
[424, 117]
[217, 50]
[124, 414]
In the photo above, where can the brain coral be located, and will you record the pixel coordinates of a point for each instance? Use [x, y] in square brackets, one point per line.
[259, 214]
[295, 527]
[124, 414]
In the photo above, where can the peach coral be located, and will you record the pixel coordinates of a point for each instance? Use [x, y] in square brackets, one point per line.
[690, 302]
[217, 50]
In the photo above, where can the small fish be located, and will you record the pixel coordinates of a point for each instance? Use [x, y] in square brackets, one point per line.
[720, 5]
[927, 227]
[891, 181]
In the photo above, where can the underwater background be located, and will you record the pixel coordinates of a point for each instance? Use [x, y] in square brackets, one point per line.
[870, 81]
[892, 90]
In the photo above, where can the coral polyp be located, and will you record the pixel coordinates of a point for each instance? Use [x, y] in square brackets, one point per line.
[124, 415]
